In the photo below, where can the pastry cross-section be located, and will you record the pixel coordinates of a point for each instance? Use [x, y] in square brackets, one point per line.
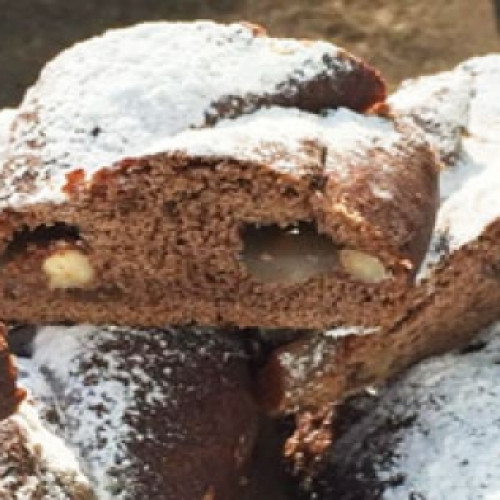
[277, 219]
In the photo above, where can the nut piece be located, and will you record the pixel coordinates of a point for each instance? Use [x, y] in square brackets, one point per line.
[362, 266]
[68, 268]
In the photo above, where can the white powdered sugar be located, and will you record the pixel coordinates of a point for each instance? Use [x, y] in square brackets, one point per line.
[114, 95]
[6, 119]
[432, 434]
[55, 471]
[96, 426]
[484, 119]
[288, 139]
[285, 139]
[54, 455]
[451, 448]
[440, 105]
[345, 331]
[460, 113]
[467, 212]
[118, 391]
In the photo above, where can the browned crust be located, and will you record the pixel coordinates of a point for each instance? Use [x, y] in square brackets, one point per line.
[10, 395]
[359, 89]
[403, 225]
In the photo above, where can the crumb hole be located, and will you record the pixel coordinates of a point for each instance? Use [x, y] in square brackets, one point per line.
[292, 254]
[40, 236]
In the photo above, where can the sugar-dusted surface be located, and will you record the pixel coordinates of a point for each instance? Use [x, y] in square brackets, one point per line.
[303, 364]
[122, 396]
[97, 424]
[460, 292]
[40, 394]
[289, 139]
[286, 139]
[112, 96]
[460, 113]
[475, 203]
[434, 434]
[440, 105]
[34, 462]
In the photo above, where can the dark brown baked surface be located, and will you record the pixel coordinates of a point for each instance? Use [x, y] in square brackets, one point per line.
[11, 395]
[158, 414]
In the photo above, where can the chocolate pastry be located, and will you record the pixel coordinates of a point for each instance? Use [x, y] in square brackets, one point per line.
[432, 434]
[157, 414]
[459, 290]
[10, 394]
[277, 219]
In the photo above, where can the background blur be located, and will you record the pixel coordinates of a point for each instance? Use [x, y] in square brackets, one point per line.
[402, 37]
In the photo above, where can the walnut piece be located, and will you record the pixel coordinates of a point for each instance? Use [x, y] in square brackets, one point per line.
[362, 266]
[68, 268]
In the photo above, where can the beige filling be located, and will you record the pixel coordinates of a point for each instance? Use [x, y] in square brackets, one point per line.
[297, 253]
[362, 266]
[68, 268]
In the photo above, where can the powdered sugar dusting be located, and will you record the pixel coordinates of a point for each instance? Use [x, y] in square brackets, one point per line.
[301, 367]
[310, 361]
[452, 448]
[97, 425]
[288, 139]
[468, 211]
[350, 330]
[440, 104]
[54, 455]
[117, 389]
[433, 434]
[114, 95]
[6, 119]
[460, 112]
[47, 466]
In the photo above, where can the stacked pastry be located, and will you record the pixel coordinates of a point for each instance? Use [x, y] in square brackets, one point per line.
[424, 437]
[457, 291]
[179, 174]
[211, 178]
